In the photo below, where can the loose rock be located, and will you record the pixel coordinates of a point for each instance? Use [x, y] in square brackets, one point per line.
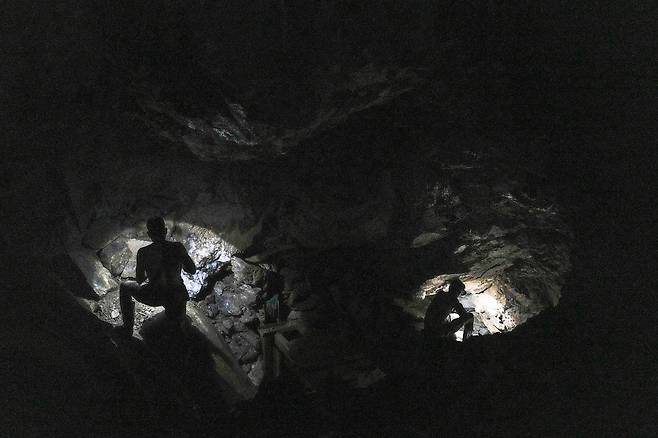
[98, 277]
[247, 295]
[247, 273]
[115, 256]
[257, 372]
[239, 326]
[242, 348]
[213, 310]
[249, 317]
[229, 304]
[252, 338]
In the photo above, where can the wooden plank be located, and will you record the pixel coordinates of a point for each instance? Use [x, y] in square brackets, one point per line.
[227, 367]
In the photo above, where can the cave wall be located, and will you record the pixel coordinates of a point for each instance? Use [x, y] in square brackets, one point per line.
[581, 77]
[103, 182]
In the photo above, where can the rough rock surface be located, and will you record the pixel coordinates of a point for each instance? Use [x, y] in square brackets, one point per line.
[514, 248]
[115, 257]
[231, 135]
[98, 277]
[247, 273]
[234, 306]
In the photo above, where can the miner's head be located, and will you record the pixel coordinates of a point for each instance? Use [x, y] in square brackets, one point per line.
[456, 287]
[156, 228]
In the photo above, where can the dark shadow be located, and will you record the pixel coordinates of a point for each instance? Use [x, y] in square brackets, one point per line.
[283, 407]
[168, 340]
[171, 362]
[67, 271]
[188, 354]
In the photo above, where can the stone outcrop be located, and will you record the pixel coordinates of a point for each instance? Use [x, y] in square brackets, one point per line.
[231, 135]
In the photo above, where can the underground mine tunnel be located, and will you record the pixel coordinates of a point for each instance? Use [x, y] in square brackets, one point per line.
[338, 259]
[331, 168]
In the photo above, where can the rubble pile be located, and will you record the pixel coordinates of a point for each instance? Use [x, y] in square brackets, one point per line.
[236, 306]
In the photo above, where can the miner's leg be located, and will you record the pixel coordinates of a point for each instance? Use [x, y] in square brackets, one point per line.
[126, 291]
[468, 329]
[175, 313]
[462, 321]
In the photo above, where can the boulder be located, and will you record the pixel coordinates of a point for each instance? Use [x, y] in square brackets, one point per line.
[206, 247]
[249, 317]
[247, 273]
[101, 232]
[234, 301]
[115, 256]
[213, 310]
[253, 338]
[229, 304]
[134, 245]
[249, 357]
[195, 282]
[240, 326]
[247, 295]
[225, 325]
[243, 349]
[216, 268]
[97, 276]
[226, 285]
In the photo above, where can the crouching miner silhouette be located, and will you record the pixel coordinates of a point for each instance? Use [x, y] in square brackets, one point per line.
[158, 276]
[438, 324]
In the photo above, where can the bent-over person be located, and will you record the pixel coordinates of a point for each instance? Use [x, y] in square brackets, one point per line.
[158, 278]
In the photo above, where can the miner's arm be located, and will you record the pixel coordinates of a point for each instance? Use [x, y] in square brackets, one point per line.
[140, 271]
[460, 310]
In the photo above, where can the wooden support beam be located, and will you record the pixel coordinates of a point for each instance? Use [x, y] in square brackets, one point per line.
[272, 359]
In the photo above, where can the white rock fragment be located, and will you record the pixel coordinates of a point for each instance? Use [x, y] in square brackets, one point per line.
[426, 239]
